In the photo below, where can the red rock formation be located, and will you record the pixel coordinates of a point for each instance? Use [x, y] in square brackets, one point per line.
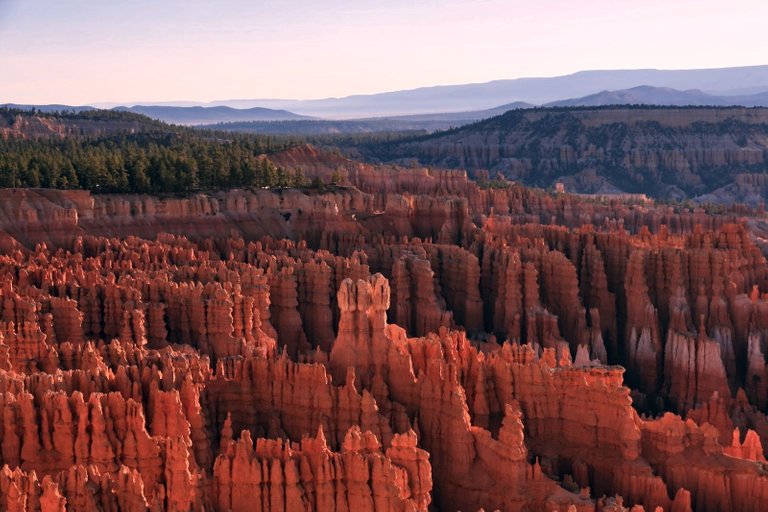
[128, 365]
[600, 301]
[416, 304]
[361, 343]
[275, 475]
[502, 287]
[284, 312]
[644, 349]
[750, 448]
[694, 370]
[315, 303]
[459, 277]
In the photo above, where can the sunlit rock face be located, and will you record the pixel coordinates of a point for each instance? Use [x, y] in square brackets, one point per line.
[439, 346]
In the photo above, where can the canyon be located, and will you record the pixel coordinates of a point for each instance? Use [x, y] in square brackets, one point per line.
[404, 340]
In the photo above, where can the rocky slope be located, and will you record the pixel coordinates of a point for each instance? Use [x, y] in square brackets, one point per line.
[663, 152]
[748, 189]
[412, 342]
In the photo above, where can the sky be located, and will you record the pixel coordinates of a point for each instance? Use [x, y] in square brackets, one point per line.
[127, 51]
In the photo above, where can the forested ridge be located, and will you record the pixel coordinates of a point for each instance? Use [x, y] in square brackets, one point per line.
[157, 158]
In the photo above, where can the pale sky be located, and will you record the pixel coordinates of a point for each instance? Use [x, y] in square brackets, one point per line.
[97, 51]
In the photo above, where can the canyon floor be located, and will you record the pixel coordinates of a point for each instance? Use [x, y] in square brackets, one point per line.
[403, 340]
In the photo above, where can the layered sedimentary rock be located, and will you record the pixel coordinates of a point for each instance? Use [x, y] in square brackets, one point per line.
[440, 345]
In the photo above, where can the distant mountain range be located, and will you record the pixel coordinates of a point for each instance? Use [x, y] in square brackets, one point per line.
[416, 122]
[190, 116]
[734, 81]
[648, 95]
[747, 86]
[207, 115]
[468, 116]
